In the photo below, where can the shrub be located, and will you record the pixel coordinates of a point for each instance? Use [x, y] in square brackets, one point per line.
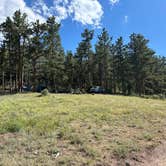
[77, 91]
[12, 126]
[72, 91]
[147, 136]
[44, 92]
[162, 96]
[83, 91]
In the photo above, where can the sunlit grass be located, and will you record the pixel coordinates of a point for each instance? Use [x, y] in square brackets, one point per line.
[84, 129]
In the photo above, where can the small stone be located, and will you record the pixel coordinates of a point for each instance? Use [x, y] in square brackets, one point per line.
[57, 155]
[36, 152]
[127, 163]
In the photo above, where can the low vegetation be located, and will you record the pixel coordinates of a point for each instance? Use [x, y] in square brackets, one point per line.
[77, 129]
[44, 92]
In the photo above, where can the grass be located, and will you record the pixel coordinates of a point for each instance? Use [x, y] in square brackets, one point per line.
[77, 129]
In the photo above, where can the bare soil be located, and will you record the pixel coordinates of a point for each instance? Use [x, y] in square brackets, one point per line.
[150, 157]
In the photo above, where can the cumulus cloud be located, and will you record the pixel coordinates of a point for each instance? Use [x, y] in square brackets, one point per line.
[41, 8]
[85, 11]
[8, 7]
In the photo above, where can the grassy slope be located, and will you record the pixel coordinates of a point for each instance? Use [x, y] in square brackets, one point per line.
[83, 129]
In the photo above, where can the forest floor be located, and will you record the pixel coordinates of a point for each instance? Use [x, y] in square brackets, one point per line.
[82, 130]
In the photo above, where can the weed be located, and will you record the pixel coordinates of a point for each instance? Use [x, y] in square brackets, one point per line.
[123, 148]
[76, 139]
[45, 92]
[148, 136]
[89, 151]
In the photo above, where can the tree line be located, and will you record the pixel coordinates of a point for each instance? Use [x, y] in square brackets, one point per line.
[31, 55]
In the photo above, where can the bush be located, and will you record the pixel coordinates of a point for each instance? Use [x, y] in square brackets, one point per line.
[77, 91]
[44, 92]
[15, 127]
[71, 91]
[11, 126]
[162, 96]
[83, 91]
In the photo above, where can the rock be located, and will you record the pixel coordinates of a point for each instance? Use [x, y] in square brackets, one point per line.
[127, 163]
[57, 155]
[35, 152]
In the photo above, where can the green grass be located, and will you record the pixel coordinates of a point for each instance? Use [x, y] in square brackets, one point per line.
[81, 129]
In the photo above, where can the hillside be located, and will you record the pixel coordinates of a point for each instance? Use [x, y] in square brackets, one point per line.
[61, 129]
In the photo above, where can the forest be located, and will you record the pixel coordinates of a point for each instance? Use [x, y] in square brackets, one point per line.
[32, 55]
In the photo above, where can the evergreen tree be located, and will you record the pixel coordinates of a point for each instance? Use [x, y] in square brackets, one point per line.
[83, 57]
[36, 51]
[15, 33]
[69, 70]
[119, 65]
[20, 32]
[55, 55]
[32, 54]
[156, 81]
[3, 65]
[103, 56]
[141, 58]
[8, 49]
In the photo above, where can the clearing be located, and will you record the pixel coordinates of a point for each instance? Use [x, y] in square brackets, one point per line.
[97, 130]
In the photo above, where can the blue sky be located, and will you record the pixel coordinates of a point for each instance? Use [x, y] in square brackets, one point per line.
[119, 17]
[143, 16]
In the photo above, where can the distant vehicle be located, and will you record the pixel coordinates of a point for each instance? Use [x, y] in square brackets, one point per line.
[26, 88]
[40, 88]
[97, 89]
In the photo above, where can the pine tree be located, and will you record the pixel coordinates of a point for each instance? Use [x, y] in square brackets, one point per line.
[141, 59]
[36, 51]
[20, 32]
[3, 65]
[156, 82]
[32, 54]
[55, 55]
[8, 49]
[69, 70]
[103, 56]
[119, 65]
[83, 57]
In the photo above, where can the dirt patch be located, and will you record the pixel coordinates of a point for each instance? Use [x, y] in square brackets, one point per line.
[155, 157]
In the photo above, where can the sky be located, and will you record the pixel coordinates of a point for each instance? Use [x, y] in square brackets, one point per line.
[119, 17]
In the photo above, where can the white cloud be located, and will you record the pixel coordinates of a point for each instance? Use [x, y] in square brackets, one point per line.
[41, 8]
[113, 2]
[8, 7]
[85, 11]
[126, 19]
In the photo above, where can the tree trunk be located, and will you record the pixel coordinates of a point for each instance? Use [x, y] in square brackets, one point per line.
[3, 82]
[11, 83]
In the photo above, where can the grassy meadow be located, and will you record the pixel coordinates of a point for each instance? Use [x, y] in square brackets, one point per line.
[61, 129]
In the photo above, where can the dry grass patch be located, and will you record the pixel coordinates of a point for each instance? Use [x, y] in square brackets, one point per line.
[77, 129]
